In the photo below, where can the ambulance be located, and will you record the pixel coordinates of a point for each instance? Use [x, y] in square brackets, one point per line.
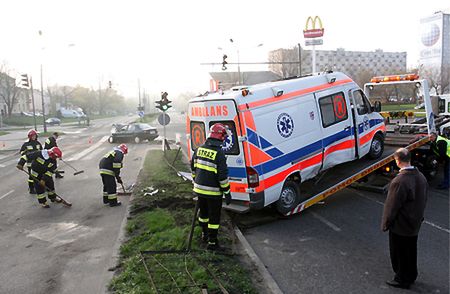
[285, 132]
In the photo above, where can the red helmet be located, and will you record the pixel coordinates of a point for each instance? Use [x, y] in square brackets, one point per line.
[55, 152]
[32, 133]
[123, 148]
[218, 131]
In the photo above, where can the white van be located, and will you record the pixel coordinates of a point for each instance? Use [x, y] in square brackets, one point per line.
[286, 132]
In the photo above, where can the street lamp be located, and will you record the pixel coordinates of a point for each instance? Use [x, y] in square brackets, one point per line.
[42, 84]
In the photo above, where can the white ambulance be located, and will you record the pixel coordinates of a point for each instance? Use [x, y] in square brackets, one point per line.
[286, 132]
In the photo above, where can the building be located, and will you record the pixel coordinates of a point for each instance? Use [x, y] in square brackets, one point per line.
[435, 49]
[352, 63]
[11, 95]
[227, 79]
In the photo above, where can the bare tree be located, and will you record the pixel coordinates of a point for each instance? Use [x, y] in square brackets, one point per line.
[438, 78]
[285, 55]
[9, 91]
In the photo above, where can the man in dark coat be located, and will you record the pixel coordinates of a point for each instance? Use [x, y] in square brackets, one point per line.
[402, 216]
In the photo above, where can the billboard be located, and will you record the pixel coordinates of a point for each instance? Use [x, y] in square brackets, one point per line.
[431, 41]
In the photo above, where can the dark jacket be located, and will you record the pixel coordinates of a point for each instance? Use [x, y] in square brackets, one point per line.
[30, 146]
[405, 203]
[42, 166]
[209, 170]
[111, 163]
[50, 143]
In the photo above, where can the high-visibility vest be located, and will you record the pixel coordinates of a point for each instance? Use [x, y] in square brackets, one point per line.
[440, 138]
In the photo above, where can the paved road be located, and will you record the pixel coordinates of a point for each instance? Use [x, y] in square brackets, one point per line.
[337, 247]
[63, 250]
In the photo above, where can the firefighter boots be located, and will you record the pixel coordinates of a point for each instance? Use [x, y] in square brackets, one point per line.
[45, 205]
[113, 203]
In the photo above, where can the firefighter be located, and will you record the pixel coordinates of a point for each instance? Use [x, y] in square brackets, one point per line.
[42, 169]
[210, 175]
[441, 147]
[49, 144]
[110, 166]
[29, 146]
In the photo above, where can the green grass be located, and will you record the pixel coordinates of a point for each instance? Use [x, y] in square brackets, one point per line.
[3, 133]
[399, 107]
[163, 222]
[48, 134]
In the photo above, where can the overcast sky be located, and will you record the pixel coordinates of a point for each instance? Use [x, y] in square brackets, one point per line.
[163, 42]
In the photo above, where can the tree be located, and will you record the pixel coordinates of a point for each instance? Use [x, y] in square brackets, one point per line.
[286, 55]
[9, 91]
[438, 78]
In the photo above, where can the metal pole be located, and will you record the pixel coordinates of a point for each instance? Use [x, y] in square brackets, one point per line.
[239, 67]
[313, 58]
[43, 104]
[32, 101]
[299, 60]
[139, 90]
[164, 123]
[100, 106]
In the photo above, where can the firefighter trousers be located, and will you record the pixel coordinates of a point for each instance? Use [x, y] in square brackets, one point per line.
[30, 180]
[109, 189]
[209, 216]
[42, 191]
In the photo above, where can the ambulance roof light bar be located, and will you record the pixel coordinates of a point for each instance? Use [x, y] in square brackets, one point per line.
[394, 78]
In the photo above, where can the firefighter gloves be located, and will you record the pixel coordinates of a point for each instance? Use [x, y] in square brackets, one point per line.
[227, 198]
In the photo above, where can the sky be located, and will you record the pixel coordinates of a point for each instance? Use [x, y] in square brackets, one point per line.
[163, 43]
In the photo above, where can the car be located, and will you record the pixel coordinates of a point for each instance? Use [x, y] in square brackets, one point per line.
[53, 121]
[133, 132]
[420, 106]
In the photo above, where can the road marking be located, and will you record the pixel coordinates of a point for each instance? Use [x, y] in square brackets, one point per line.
[89, 150]
[425, 222]
[328, 223]
[6, 194]
[94, 154]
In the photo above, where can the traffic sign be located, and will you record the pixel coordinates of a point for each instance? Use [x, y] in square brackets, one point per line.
[141, 114]
[164, 119]
[310, 42]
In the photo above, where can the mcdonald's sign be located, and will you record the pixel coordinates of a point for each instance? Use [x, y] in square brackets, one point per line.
[316, 30]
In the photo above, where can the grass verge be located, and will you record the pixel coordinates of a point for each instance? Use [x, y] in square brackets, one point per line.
[162, 221]
[3, 133]
[148, 118]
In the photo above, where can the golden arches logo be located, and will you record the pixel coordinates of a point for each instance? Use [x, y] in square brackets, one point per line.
[317, 27]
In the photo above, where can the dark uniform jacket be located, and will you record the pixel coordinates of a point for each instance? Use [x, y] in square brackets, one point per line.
[111, 163]
[30, 146]
[405, 204]
[209, 169]
[50, 143]
[41, 164]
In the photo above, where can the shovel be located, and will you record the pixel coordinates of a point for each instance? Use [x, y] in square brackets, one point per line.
[125, 192]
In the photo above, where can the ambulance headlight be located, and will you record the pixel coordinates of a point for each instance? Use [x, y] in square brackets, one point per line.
[277, 92]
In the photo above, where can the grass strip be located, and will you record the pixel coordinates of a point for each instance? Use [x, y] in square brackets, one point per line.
[161, 221]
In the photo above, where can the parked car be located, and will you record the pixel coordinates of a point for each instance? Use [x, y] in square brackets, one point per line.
[53, 121]
[134, 132]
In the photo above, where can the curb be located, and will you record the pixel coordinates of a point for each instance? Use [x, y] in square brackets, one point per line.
[265, 275]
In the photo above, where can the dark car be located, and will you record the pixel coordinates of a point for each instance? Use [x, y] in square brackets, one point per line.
[134, 132]
[53, 121]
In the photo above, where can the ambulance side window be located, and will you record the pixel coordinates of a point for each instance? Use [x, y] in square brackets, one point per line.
[362, 105]
[198, 136]
[333, 109]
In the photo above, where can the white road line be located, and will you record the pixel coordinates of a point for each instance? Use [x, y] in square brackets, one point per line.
[89, 150]
[6, 194]
[425, 222]
[94, 154]
[328, 223]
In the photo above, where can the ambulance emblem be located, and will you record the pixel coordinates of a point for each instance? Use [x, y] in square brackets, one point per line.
[228, 143]
[285, 125]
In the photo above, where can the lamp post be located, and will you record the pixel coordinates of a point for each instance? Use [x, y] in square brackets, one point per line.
[42, 87]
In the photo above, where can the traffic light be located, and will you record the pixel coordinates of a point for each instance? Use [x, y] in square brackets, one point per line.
[24, 81]
[224, 62]
[140, 108]
[110, 84]
[164, 103]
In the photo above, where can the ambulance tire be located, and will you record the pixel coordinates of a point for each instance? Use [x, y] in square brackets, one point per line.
[376, 147]
[289, 197]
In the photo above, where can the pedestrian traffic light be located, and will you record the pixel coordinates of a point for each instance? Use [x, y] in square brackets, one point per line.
[24, 81]
[164, 103]
[224, 62]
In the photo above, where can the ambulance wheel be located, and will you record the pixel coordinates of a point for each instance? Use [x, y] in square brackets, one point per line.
[137, 140]
[289, 197]
[376, 147]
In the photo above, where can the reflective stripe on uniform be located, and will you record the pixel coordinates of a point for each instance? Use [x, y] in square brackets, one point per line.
[29, 148]
[207, 163]
[51, 193]
[203, 220]
[40, 160]
[105, 193]
[30, 181]
[214, 227]
[112, 196]
[205, 192]
[47, 141]
[440, 138]
[40, 196]
[34, 174]
[193, 175]
[224, 184]
[50, 165]
[117, 165]
[107, 172]
[49, 173]
[28, 164]
[24, 157]
[206, 188]
[205, 167]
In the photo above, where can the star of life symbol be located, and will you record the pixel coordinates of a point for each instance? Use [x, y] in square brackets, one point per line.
[366, 124]
[285, 125]
[228, 142]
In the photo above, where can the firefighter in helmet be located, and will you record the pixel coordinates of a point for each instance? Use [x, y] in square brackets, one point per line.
[29, 146]
[210, 175]
[110, 166]
[42, 169]
[49, 144]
